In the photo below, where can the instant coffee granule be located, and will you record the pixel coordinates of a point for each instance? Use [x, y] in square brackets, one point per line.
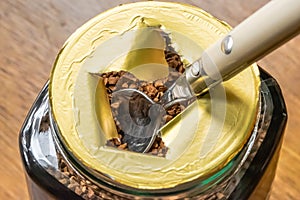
[79, 184]
[45, 123]
[116, 80]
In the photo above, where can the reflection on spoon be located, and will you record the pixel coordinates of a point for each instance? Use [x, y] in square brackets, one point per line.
[139, 118]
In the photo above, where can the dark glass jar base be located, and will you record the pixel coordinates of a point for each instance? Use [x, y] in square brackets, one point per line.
[41, 185]
[255, 182]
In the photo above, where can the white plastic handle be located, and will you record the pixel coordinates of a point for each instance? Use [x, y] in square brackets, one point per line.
[265, 30]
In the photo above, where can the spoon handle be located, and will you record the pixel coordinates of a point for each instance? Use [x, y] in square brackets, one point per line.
[264, 31]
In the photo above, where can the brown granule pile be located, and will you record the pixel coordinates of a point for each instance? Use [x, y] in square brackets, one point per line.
[116, 80]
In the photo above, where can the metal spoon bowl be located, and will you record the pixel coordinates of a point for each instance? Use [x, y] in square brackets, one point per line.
[139, 117]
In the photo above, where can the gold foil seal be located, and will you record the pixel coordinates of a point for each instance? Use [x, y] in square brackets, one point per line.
[201, 140]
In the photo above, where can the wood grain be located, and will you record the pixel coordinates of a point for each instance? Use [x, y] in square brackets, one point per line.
[31, 34]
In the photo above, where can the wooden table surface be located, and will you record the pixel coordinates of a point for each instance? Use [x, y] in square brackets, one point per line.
[33, 31]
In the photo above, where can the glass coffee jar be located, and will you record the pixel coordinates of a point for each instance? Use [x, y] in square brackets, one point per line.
[223, 145]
